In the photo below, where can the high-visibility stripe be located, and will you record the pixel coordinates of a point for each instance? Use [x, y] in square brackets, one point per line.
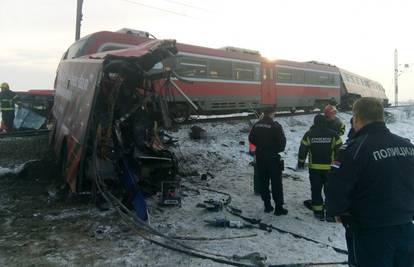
[302, 160]
[6, 109]
[325, 167]
[306, 141]
[317, 207]
[338, 142]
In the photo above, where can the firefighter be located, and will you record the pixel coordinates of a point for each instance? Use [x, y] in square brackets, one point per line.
[332, 121]
[371, 190]
[321, 143]
[8, 99]
[269, 139]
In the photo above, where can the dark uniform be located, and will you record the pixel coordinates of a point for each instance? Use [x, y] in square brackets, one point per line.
[8, 99]
[269, 139]
[351, 132]
[372, 181]
[321, 143]
[336, 125]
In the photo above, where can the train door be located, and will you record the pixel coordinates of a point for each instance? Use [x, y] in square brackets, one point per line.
[268, 88]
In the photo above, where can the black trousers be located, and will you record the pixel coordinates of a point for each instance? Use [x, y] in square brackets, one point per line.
[268, 170]
[391, 246]
[8, 119]
[318, 179]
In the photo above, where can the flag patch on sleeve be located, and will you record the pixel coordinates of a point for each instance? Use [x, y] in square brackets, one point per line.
[336, 164]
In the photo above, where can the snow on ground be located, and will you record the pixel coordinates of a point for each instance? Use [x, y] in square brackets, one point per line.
[224, 155]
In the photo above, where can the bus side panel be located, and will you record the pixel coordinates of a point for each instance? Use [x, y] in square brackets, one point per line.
[75, 90]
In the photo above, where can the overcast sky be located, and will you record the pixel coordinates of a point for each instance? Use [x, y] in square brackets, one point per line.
[357, 35]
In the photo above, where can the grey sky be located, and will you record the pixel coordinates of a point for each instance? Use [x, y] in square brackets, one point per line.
[359, 36]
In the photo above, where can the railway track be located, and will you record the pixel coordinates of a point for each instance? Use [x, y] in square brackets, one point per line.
[249, 116]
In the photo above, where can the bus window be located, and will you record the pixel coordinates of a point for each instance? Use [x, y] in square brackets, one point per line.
[113, 46]
[76, 49]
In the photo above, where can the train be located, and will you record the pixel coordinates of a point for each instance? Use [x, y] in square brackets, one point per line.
[230, 79]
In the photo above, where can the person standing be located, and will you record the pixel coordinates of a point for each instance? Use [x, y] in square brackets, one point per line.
[332, 121]
[321, 143]
[371, 190]
[8, 99]
[269, 139]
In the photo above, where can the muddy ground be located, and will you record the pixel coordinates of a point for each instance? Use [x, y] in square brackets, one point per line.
[40, 226]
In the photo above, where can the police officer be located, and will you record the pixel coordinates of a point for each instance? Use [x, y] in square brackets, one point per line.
[321, 143]
[269, 139]
[332, 121]
[371, 189]
[8, 99]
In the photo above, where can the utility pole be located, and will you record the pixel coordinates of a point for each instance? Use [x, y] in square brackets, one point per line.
[396, 77]
[78, 19]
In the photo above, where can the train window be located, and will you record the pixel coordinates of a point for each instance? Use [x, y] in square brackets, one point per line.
[284, 75]
[192, 67]
[319, 78]
[219, 69]
[311, 77]
[246, 72]
[298, 76]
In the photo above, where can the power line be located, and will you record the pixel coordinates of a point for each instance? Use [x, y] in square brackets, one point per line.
[186, 5]
[156, 8]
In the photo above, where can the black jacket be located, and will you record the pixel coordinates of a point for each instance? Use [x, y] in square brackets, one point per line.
[336, 125]
[268, 137]
[373, 178]
[321, 143]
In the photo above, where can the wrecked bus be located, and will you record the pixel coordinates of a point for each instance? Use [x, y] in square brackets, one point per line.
[106, 116]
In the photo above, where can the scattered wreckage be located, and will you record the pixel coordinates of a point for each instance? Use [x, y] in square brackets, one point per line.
[107, 119]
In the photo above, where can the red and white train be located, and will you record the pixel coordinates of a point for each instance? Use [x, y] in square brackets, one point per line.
[231, 80]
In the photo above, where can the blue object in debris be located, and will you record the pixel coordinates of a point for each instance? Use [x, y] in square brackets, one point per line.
[129, 180]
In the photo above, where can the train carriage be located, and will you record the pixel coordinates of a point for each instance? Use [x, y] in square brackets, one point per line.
[232, 79]
[219, 81]
[354, 86]
[304, 85]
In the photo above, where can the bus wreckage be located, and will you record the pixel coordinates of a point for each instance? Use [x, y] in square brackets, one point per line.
[106, 118]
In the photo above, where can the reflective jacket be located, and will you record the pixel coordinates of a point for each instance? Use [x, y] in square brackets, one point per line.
[321, 143]
[373, 178]
[336, 125]
[268, 137]
[8, 99]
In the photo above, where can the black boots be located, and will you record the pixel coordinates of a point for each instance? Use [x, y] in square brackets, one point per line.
[268, 208]
[280, 211]
[320, 215]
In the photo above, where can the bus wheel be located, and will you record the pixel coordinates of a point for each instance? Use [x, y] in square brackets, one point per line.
[60, 183]
[180, 113]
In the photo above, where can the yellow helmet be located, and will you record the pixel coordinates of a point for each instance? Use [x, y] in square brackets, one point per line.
[4, 86]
